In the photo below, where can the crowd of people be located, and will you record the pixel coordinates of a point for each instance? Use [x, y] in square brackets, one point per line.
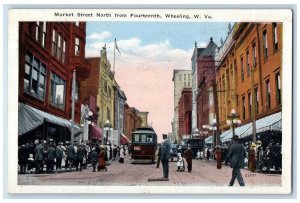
[43, 156]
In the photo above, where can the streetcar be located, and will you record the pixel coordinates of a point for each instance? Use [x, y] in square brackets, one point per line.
[144, 144]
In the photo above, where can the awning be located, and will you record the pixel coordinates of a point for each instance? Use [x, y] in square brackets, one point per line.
[96, 133]
[30, 118]
[272, 122]
[124, 139]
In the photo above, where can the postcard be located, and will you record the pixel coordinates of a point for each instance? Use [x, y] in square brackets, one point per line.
[150, 101]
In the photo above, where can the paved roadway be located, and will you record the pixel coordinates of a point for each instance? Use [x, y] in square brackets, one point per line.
[203, 174]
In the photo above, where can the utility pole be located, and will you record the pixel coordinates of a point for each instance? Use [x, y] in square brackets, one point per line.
[253, 108]
[73, 106]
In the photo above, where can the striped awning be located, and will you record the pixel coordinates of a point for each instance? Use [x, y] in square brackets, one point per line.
[271, 122]
[30, 118]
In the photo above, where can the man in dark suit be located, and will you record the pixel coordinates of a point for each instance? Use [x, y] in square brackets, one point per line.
[236, 156]
[164, 157]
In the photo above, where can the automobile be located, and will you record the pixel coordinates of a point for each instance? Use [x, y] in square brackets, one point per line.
[173, 152]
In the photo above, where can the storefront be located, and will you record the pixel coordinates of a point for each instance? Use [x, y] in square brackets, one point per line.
[36, 124]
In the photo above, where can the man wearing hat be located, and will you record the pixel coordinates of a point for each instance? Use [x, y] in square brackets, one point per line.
[236, 156]
[59, 155]
[39, 156]
[70, 152]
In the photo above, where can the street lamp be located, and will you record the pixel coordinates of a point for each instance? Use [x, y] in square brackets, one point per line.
[233, 121]
[107, 127]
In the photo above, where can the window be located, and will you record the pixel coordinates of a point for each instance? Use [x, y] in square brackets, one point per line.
[63, 57]
[278, 88]
[248, 63]
[149, 138]
[254, 54]
[58, 47]
[58, 86]
[77, 46]
[189, 75]
[244, 107]
[249, 103]
[179, 77]
[268, 95]
[108, 114]
[185, 84]
[265, 44]
[188, 83]
[54, 44]
[242, 69]
[275, 37]
[256, 99]
[77, 24]
[40, 32]
[35, 76]
[184, 76]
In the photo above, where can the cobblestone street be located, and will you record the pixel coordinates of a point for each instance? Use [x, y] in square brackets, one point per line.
[203, 174]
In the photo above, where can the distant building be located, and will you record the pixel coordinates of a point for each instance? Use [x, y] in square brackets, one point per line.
[144, 117]
[131, 121]
[206, 82]
[185, 113]
[181, 79]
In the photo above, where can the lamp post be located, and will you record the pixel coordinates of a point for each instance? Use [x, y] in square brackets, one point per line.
[233, 121]
[107, 127]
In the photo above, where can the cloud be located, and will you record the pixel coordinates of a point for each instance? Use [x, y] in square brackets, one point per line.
[101, 36]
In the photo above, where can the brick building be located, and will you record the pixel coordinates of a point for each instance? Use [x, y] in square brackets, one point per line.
[185, 113]
[131, 121]
[249, 71]
[206, 81]
[48, 54]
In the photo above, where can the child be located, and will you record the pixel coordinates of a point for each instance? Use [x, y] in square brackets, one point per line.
[30, 163]
[180, 163]
[198, 154]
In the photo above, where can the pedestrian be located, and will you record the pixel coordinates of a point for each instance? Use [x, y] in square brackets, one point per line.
[277, 156]
[188, 155]
[75, 159]
[164, 157]
[50, 158]
[23, 157]
[115, 152]
[80, 156]
[180, 163]
[268, 159]
[39, 157]
[122, 154]
[158, 157]
[94, 159]
[251, 158]
[198, 155]
[207, 154]
[70, 153]
[236, 156]
[101, 159]
[59, 155]
[218, 156]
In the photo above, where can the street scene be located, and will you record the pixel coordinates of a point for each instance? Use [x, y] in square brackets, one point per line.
[148, 103]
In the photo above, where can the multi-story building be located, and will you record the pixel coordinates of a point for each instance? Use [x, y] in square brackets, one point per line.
[185, 114]
[144, 116]
[206, 81]
[182, 79]
[249, 70]
[119, 111]
[49, 53]
[194, 60]
[105, 97]
[131, 121]
[90, 90]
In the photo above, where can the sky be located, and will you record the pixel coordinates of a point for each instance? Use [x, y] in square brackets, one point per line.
[149, 52]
